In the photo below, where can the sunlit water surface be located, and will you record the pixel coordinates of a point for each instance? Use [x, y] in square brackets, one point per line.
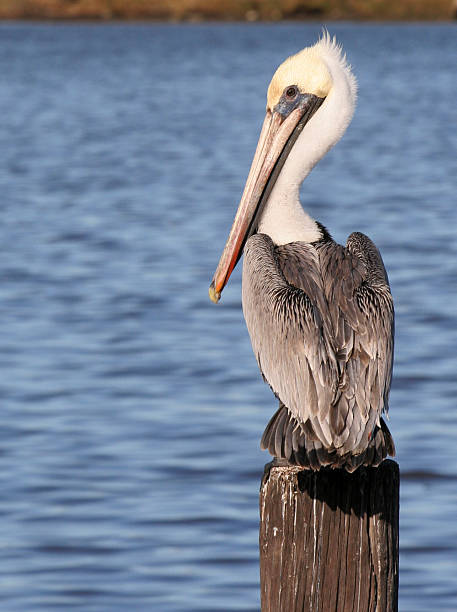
[131, 407]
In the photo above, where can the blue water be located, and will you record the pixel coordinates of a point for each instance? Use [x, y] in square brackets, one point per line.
[131, 407]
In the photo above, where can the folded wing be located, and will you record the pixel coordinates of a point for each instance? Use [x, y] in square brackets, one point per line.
[320, 317]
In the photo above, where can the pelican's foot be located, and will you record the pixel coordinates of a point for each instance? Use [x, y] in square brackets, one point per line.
[277, 462]
[280, 462]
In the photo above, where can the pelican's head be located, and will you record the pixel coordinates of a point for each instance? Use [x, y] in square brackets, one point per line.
[299, 88]
[307, 71]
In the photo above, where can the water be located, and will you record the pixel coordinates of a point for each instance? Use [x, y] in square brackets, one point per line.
[132, 407]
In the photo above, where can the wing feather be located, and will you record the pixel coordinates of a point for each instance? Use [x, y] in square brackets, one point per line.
[320, 319]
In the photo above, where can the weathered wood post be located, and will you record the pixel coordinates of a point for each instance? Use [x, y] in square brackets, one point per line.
[329, 539]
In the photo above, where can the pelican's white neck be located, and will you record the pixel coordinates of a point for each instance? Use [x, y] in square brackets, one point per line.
[283, 218]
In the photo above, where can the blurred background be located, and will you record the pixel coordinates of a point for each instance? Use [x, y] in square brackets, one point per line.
[131, 407]
[250, 10]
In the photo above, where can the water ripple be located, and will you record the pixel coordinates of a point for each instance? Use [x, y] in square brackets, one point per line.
[132, 408]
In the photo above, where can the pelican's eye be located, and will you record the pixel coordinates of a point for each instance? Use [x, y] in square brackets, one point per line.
[291, 92]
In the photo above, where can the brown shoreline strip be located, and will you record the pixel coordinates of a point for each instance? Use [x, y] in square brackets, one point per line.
[224, 10]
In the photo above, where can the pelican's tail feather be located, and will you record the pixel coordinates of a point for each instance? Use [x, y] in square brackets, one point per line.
[285, 438]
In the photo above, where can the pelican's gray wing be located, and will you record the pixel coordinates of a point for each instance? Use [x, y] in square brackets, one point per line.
[320, 319]
[360, 308]
[287, 324]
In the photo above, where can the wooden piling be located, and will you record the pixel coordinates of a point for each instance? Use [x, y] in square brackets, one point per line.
[329, 539]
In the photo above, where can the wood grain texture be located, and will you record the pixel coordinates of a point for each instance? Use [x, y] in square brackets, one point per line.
[329, 539]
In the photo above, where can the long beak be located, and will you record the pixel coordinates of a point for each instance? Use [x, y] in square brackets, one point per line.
[276, 139]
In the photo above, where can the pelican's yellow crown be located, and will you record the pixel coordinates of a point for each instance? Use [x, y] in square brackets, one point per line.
[305, 69]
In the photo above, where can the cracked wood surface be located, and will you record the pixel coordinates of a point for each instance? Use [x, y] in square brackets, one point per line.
[329, 539]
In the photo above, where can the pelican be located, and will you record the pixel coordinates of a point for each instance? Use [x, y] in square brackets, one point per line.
[320, 315]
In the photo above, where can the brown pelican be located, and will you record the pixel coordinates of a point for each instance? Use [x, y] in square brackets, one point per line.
[320, 315]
